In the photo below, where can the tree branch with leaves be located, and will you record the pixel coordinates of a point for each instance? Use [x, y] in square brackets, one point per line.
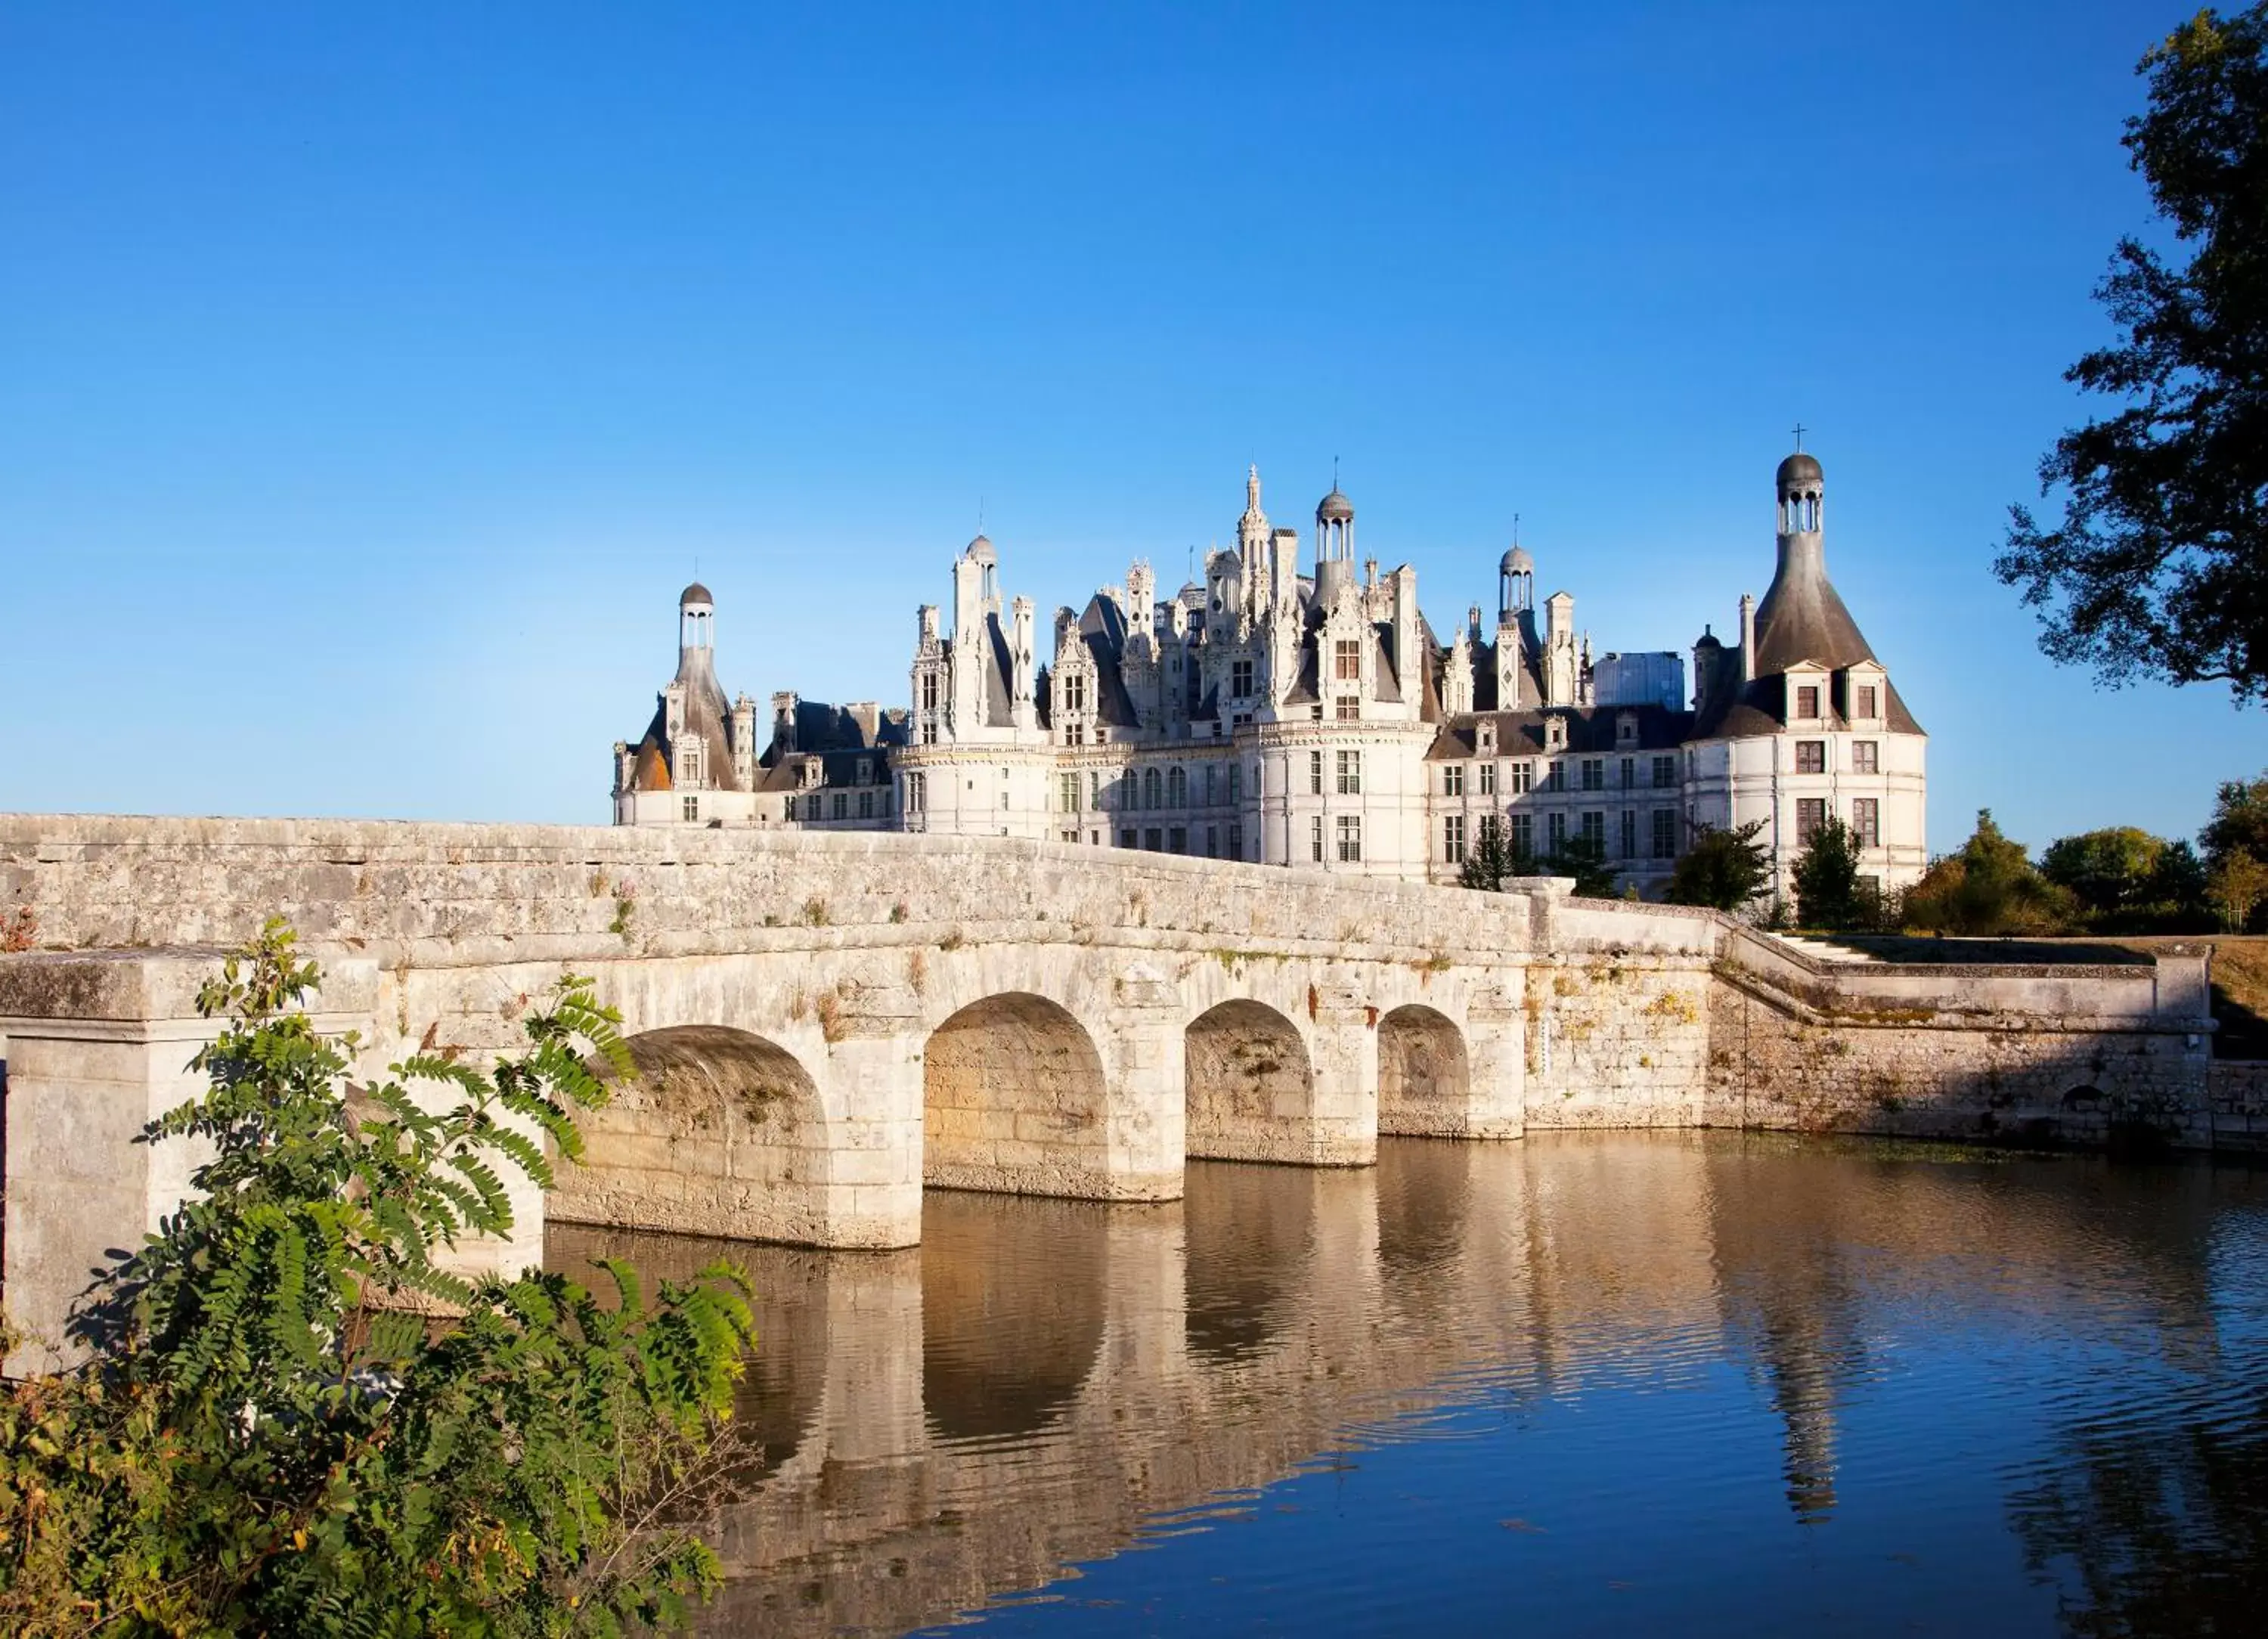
[2159, 565]
[297, 1418]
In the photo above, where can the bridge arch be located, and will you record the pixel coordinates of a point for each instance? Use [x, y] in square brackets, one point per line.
[719, 1132]
[1013, 1100]
[1425, 1073]
[1250, 1085]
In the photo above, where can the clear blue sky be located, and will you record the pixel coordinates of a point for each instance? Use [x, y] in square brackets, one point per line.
[370, 384]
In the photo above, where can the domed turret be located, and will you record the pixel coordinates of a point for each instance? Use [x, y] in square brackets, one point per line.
[1802, 489]
[696, 617]
[1333, 541]
[1515, 583]
[1800, 471]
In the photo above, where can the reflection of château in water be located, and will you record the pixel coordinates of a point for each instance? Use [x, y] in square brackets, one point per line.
[953, 1423]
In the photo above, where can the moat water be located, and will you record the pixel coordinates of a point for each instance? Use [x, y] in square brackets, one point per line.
[1691, 1384]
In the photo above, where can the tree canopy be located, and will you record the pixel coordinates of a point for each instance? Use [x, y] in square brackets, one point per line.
[1989, 888]
[1585, 859]
[1724, 869]
[2159, 566]
[1494, 861]
[2125, 880]
[2236, 854]
[1828, 891]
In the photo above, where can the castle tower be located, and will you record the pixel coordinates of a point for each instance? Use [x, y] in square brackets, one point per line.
[976, 607]
[1820, 729]
[1333, 544]
[1253, 542]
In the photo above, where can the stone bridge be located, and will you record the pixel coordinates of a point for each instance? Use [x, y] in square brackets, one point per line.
[824, 1023]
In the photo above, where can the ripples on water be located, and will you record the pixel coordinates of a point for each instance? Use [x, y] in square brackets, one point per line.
[1693, 1384]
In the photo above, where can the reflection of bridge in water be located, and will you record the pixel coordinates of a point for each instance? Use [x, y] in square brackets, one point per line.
[948, 1424]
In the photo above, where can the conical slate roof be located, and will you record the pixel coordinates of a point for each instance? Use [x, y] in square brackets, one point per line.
[1802, 617]
[707, 717]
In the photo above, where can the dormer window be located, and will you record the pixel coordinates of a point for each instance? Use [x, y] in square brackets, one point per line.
[866, 771]
[1807, 702]
[1484, 740]
[1554, 734]
[1863, 706]
[1626, 730]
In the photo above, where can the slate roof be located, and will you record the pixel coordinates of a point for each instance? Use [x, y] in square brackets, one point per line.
[1591, 731]
[706, 717]
[1801, 618]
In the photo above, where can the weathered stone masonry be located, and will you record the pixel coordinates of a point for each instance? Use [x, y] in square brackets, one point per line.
[827, 1023]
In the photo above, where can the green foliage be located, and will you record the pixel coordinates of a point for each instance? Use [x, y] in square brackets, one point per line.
[1494, 861]
[2240, 821]
[296, 1421]
[1828, 891]
[2160, 565]
[2236, 854]
[1585, 859]
[2125, 880]
[2238, 890]
[1724, 869]
[1989, 889]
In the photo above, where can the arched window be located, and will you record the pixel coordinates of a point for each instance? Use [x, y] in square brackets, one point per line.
[1150, 792]
[1177, 787]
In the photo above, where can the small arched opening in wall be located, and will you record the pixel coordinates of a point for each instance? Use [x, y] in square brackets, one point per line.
[719, 1132]
[1251, 1088]
[1013, 1295]
[1424, 1078]
[1013, 1100]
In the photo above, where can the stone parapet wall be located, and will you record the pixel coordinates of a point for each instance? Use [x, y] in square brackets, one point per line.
[435, 894]
[2049, 1055]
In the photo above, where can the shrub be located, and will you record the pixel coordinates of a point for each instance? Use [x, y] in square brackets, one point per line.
[270, 1437]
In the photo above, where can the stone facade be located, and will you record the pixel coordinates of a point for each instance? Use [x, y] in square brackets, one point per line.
[700, 762]
[1312, 717]
[827, 1023]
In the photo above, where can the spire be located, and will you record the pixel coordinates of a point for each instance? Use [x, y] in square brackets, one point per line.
[1252, 490]
[1801, 618]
